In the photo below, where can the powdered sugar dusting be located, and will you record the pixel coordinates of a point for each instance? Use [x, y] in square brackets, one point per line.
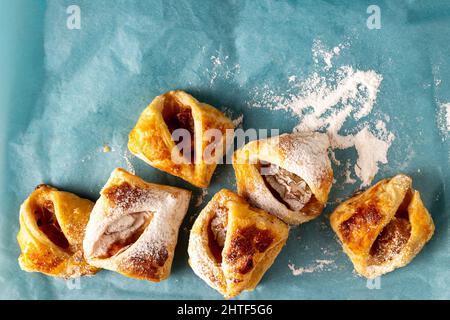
[320, 265]
[330, 98]
[126, 156]
[443, 120]
[321, 53]
[447, 108]
[307, 149]
[348, 174]
[123, 205]
[221, 68]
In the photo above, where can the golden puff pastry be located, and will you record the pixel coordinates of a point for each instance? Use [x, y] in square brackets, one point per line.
[134, 226]
[289, 175]
[232, 244]
[153, 137]
[384, 227]
[52, 227]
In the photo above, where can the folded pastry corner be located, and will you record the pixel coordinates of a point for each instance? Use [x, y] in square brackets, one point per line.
[289, 175]
[153, 137]
[134, 226]
[52, 228]
[384, 227]
[231, 244]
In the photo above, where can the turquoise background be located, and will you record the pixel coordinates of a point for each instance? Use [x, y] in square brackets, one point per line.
[65, 93]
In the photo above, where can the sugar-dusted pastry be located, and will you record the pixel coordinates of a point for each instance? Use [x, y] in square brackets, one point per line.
[384, 227]
[193, 157]
[52, 226]
[289, 175]
[134, 226]
[232, 244]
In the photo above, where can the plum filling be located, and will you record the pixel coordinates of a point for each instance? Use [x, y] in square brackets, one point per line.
[178, 116]
[48, 224]
[286, 187]
[120, 234]
[217, 232]
[393, 237]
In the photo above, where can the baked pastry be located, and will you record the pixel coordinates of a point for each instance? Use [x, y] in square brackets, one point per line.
[52, 226]
[176, 114]
[231, 244]
[289, 175]
[134, 225]
[384, 227]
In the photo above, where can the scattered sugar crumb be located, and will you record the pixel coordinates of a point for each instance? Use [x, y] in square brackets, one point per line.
[221, 68]
[320, 265]
[126, 156]
[292, 78]
[408, 153]
[329, 252]
[348, 174]
[86, 158]
[443, 120]
[436, 75]
[216, 60]
[320, 52]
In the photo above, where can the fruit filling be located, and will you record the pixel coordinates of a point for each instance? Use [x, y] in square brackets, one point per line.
[48, 224]
[394, 236]
[178, 116]
[286, 187]
[217, 232]
[120, 234]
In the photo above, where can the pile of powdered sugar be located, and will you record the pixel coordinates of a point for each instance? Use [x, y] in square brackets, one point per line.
[329, 98]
